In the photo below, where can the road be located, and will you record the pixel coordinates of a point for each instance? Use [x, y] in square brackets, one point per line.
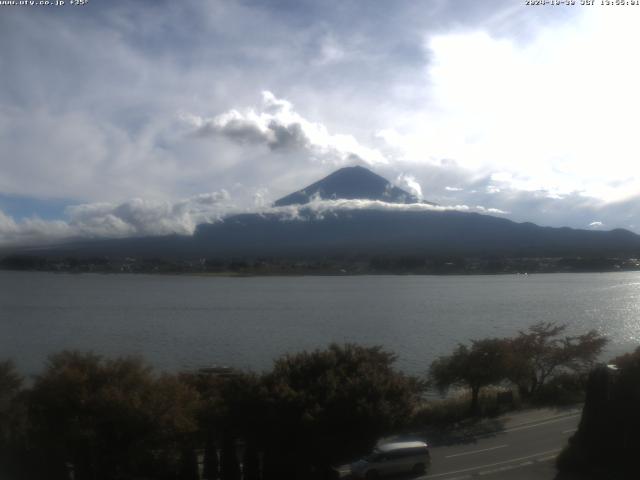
[522, 451]
[520, 446]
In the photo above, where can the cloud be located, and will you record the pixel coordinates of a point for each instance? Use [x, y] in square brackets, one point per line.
[136, 217]
[32, 231]
[324, 206]
[279, 127]
[410, 184]
[331, 51]
[260, 198]
[528, 110]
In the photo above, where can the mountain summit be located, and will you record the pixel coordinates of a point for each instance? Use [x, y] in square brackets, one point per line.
[350, 183]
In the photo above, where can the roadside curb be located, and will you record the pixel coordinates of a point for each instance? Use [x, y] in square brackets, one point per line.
[435, 437]
[570, 413]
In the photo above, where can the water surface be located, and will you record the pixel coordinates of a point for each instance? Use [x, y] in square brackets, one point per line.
[179, 322]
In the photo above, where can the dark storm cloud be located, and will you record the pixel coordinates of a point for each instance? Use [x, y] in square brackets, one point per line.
[276, 136]
[288, 137]
[237, 129]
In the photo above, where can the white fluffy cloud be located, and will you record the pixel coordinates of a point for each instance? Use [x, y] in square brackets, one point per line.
[322, 207]
[555, 112]
[410, 184]
[136, 217]
[279, 127]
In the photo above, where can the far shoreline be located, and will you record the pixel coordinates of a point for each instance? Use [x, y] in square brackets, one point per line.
[299, 274]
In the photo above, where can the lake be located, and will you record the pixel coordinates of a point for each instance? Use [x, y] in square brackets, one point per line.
[183, 322]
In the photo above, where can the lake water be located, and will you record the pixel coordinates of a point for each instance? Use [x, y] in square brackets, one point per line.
[179, 322]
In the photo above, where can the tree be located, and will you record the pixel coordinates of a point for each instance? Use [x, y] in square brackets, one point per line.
[606, 444]
[539, 353]
[12, 419]
[232, 411]
[109, 418]
[328, 405]
[482, 364]
[10, 386]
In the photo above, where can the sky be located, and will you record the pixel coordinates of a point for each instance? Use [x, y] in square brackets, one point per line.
[121, 118]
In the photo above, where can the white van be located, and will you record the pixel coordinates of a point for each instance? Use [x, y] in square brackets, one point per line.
[393, 458]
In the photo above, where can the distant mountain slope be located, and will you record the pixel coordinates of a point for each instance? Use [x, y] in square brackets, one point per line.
[350, 183]
[373, 232]
[361, 232]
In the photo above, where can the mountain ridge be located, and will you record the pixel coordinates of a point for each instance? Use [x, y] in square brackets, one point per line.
[360, 232]
[350, 183]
